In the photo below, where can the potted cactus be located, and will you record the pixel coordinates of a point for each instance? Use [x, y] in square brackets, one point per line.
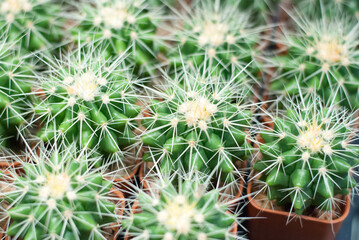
[118, 25]
[196, 121]
[181, 207]
[35, 24]
[320, 53]
[219, 30]
[304, 169]
[89, 100]
[60, 195]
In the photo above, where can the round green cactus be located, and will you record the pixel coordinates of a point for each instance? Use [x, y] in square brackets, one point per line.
[197, 121]
[309, 157]
[59, 197]
[181, 209]
[38, 23]
[222, 31]
[15, 88]
[323, 56]
[88, 100]
[119, 25]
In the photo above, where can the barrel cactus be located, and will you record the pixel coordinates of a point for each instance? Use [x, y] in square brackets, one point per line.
[222, 31]
[181, 209]
[88, 100]
[322, 55]
[37, 23]
[59, 197]
[16, 70]
[309, 158]
[197, 121]
[119, 25]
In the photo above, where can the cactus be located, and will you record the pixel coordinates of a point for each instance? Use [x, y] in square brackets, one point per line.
[15, 73]
[88, 100]
[316, 7]
[181, 208]
[38, 23]
[309, 157]
[221, 30]
[322, 54]
[119, 25]
[198, 122]
[59, 197]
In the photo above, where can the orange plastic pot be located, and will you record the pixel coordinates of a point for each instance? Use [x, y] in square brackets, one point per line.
[267, 224]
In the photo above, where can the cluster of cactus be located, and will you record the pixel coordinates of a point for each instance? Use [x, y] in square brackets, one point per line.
[181, 209]
[118, 25]
[59, 196]
[221, 31]
[88, 100]
[15, 87]
[37, 23]
[322, 55]
[308, 158]
[198, 121]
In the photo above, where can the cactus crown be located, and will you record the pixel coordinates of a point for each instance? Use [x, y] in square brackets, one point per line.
[181, 208]
[198, 121]
[323, 55]
[60, 196]
[88, 99]
[309, 158]
[37, 22]
[119, 25]
[217, 29]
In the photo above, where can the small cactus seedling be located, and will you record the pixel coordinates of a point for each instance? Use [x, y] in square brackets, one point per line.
[308, 158]
[59, 196]
[119, 25]
[181, 209]
[36, 22]
[220, 30]
[89, 100]
[323, 55]
[198, 121]
[15, 88]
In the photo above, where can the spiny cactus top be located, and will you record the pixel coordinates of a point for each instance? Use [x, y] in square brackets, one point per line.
[323, 56]
[221, 30]
[309, 157]
[36, 22]
[198, 121]
[119, 25]
[184, 210]
[15, 74]
[89, 100]
[60, 196]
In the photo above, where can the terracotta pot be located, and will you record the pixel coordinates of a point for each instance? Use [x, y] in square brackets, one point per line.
[115, 192]
[267, 224]
[136, 209]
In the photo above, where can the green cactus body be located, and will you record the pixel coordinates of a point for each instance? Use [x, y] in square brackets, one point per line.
[15, 88]
[321, 57]
[222, 31]
[88, 100]
[59, 197]
[119, 25]
[36, 24]
[191, 212]
[198, 123]
[308, 158]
